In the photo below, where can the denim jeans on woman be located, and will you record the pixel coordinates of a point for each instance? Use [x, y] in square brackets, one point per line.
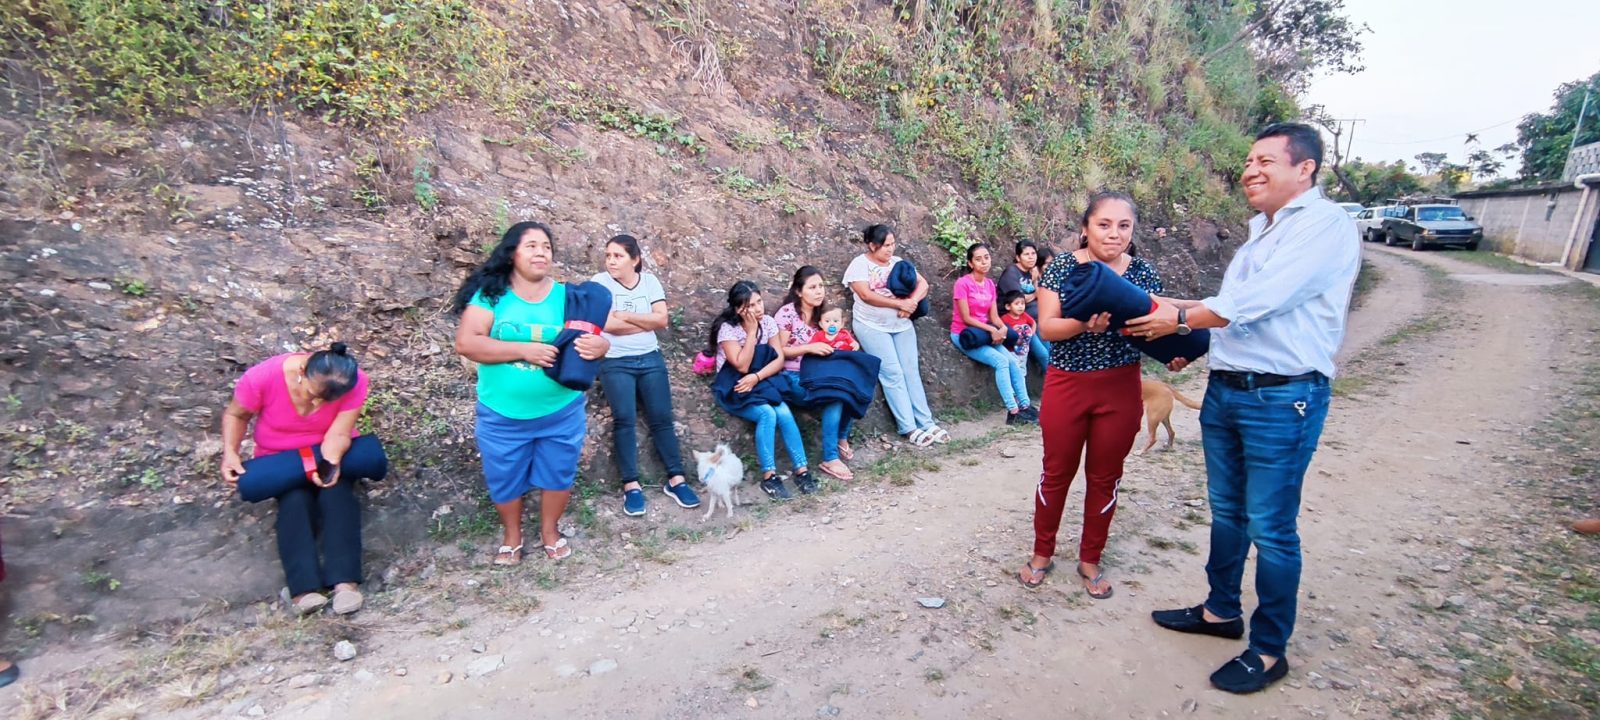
[1258, 444]
[1010, 374]
[900, 374]
[630, 382]
[834, 426]
[1039, 352]
[770, 420]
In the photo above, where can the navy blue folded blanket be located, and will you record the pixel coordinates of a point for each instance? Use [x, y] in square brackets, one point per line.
[588, 305]
[846, 376]
[1093, 288]
[270, 476]
[903, 282]
[973, 338]
[771, 391]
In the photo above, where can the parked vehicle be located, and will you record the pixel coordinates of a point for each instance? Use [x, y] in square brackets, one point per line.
[1423, 226]
[1351, 208]
[1369, 222]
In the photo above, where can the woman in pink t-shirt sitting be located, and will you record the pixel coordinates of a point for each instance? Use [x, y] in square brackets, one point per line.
[308, 452]
[974, 310]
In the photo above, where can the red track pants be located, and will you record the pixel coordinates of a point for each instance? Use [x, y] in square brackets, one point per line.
[1099, 410]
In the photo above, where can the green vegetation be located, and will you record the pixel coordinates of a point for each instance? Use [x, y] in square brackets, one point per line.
[954, 231]
[1544, 137]
[1059, 98]
[1498, 262]
[358, 61]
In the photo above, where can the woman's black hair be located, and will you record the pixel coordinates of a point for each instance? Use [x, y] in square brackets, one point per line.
[974, 248]
[1095, 201]
[806, 272]
[1024, 245]
[335, 369]
[493, 277]
[1045, 256]
[738, 297]
[876, 235]
[630, 245]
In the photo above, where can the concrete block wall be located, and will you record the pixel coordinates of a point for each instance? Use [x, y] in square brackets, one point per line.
[1533, 225]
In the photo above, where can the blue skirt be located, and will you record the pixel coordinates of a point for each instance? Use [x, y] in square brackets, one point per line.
[521, 455]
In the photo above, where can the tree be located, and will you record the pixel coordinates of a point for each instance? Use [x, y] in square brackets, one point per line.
[1546, 137]
[1376, 182]
[1452, 177]
[1293, 38]
[1432, 161]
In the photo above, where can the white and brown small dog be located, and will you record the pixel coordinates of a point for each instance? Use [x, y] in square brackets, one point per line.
[721, 472]
[1158, 397]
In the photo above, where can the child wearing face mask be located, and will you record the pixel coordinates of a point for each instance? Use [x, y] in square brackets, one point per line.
[833, 332]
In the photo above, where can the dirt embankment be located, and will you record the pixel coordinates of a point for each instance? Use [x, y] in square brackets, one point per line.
[213, 242]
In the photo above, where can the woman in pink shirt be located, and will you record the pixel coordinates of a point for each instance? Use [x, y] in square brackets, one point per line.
[308, 452]
[974, 313]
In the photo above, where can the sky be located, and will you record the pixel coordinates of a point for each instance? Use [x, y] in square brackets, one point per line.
[1439, 69]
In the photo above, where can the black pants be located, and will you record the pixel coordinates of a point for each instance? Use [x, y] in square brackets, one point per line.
[319, 529]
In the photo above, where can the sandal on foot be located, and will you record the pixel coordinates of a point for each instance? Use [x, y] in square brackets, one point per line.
[309, 603]
[846, 453]
[939, 434]
[842, 472]
[557, 551]
[507, 556]
[1095, 581]
[920, 437]
[347, 601]
[1032, 577]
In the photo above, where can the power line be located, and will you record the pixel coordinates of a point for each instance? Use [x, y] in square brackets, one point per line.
[1451, 136]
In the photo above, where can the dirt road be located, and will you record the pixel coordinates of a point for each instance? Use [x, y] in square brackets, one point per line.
[816, 614]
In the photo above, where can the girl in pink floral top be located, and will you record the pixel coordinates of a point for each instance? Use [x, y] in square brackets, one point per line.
[798, 336]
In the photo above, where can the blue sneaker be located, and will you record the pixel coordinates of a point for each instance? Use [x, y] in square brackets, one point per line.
[682, 494]
[633, 503]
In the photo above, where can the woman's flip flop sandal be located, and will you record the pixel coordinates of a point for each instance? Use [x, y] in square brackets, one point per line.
[1095, 581]
[846, 476]
[920, 437]
[557, 551]
[507, 556]
[1032, 577]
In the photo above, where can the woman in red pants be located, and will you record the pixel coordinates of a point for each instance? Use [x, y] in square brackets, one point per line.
[1092, 400]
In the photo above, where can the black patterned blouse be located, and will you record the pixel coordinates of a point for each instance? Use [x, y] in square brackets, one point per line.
[1087, 352]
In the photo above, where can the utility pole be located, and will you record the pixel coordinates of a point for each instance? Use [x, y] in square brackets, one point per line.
[1579, 127]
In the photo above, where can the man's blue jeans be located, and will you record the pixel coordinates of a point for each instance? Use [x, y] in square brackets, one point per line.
[1258, 443]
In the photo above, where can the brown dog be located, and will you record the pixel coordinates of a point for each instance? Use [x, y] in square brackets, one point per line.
[1158, 397]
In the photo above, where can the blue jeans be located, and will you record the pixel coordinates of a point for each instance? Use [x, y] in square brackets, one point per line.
[1039, 352]
[1010, 375]
[630, 382]
[834, 426]
[900, 374]
[768, 420]
[1258, 443]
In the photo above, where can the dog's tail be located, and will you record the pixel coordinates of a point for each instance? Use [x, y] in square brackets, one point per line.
[1192, 405]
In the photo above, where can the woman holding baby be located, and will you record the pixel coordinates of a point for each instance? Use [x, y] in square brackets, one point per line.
[807, 325]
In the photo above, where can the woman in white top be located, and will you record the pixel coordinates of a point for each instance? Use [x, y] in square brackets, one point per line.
[883, 326]
[634, 375]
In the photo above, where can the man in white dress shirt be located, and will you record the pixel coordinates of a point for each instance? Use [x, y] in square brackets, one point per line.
[1275, 326]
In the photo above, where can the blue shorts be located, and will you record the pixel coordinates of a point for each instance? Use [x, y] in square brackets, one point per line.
[521, 455]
